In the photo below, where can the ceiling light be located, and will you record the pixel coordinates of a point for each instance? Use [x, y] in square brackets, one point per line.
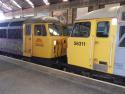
[46, 2]
[5, 6]
[14, 2]
[65, 0]
[29, 2]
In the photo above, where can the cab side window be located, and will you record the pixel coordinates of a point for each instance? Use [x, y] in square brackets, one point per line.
[81, 29]
[122, 36]
[103, 29]
[3, 33]
[15, 34]
[40, 30]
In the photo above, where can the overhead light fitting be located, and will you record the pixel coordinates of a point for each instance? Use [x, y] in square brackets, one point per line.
[5, 6]
[14, 2]
[46, 2]
[30, 3]
[65, 0]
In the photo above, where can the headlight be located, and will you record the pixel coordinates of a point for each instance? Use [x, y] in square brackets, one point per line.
[54, 42]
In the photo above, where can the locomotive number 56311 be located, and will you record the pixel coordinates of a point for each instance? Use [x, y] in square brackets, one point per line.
[76, 43]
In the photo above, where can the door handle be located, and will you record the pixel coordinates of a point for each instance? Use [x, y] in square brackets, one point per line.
[95, 60]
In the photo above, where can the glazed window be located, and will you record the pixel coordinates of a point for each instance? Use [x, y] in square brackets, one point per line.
[4, 24]
[81, 29]
[12, 34]
[122, 36]
[20, 23]
[40, 30]
[28, 29]
[123, 16]
[67, 30]
[15, 34]
[103, 29]
[3, 33]
[55, 30]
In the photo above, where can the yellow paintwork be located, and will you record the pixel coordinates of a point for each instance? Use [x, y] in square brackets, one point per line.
[96, 48]
[43, 46]
[27, 44]
[79, 55]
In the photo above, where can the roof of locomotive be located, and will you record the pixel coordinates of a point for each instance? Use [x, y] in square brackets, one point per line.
[42, 19]
[33, 20]
[108, 12]
[13, 20]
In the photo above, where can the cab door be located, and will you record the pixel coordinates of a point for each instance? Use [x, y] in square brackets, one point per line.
[41, 43]
[80, 45]
[103, 46]
[27, 40]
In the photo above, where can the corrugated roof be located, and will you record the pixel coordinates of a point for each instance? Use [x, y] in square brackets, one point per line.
[24, 4]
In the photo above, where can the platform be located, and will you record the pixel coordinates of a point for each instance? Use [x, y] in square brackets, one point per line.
[20, 77]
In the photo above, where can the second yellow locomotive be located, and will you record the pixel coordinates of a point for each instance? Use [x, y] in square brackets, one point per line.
[97, 41]
[33, 37]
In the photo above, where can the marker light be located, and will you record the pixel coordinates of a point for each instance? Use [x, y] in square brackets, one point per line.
[114, 21]
[54, 42]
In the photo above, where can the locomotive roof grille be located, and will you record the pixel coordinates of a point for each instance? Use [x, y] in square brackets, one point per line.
[108, 12]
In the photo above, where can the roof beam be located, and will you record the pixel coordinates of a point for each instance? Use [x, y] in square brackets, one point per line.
[75, 4]
[15, 3]
[30, 3]
[5, 6]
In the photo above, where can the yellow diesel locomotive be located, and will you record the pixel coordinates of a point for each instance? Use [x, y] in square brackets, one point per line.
[33, 37]
[97, 41]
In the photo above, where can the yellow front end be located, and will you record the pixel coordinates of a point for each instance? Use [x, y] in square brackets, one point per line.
[45, 40]
[92, 44]
[59, 46]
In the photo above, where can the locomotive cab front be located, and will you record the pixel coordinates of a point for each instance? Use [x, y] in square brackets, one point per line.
[97, 41]
[59, 41]
[44, 40]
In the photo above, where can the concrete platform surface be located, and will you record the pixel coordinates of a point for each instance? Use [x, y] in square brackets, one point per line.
[16, 79]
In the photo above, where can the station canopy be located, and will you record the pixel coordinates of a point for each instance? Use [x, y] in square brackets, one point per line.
[14, 5]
